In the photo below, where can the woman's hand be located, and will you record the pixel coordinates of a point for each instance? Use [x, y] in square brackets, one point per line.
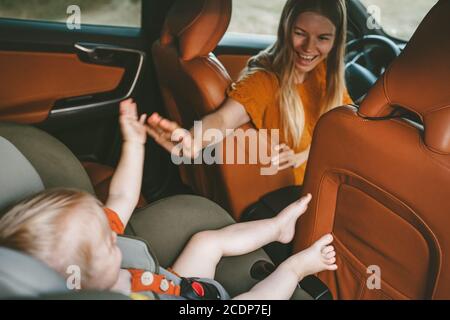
[172, 137]
[133, 128]
[287, 158]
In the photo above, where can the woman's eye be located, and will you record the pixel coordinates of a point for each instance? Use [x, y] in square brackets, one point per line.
[324, 39]
[299, 33]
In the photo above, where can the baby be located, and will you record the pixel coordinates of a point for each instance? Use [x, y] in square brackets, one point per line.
[67, 227]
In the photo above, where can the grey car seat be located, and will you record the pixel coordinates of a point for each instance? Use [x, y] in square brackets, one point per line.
[33, 160]
[24, 277]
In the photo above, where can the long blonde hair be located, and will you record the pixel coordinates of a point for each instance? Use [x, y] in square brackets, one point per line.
[40, 226]
[280, 60]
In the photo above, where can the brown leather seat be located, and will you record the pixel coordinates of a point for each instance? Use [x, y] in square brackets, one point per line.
[100, 176]
[382, 186]
[193, 83]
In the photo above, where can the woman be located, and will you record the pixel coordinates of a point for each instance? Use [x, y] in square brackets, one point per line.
[286, 87]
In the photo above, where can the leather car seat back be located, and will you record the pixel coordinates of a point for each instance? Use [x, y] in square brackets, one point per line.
[381, 184]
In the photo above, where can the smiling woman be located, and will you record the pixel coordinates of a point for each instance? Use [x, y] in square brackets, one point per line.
[313, 39]
[292, 83]
[100, 12]
[280, 90]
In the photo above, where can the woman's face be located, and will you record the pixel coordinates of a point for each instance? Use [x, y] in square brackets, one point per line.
[313, 38]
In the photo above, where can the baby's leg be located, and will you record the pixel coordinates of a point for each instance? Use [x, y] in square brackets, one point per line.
[205, 249]
[280, 285]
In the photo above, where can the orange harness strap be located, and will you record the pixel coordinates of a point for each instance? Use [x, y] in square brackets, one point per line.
[142, 280]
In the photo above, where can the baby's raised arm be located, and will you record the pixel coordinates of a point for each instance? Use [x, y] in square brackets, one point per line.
[126, 182]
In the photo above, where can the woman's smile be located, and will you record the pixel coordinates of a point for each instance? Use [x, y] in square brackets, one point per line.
[306, 59]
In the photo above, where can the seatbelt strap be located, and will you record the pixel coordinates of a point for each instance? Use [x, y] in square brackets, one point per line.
[188, 288]
[142, 280]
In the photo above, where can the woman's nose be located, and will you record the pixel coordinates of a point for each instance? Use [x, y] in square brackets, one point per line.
[308, 45]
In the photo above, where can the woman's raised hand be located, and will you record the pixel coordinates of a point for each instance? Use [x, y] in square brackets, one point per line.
[172, 137]
[287, 158]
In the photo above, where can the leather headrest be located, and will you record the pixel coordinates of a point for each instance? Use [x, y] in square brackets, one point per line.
[196, 26]
[419, 80]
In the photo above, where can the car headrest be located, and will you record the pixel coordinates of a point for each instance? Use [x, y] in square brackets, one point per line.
[56, 165]
[196, 26]
[418, 80]
[24, 276]
[19, 179]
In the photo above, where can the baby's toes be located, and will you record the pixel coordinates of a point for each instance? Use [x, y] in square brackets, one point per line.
[330, 255]
[327, 250]
[324, 241]
[330, 260]
[332, 267]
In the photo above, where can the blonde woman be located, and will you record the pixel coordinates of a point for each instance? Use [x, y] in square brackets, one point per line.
[286, 87]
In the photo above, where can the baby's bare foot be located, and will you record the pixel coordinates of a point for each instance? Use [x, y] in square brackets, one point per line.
[319, 257]
[288, 217]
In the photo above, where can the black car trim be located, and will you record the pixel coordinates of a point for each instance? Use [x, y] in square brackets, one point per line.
[128, 82]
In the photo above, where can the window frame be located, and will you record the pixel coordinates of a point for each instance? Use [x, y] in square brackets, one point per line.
[107, 29]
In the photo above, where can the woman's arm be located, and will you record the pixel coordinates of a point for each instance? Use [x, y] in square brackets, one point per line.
[169, 134]
[231, 115]
[125, 186]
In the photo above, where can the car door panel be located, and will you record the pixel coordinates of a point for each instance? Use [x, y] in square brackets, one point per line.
[36, 80]
[69, 82]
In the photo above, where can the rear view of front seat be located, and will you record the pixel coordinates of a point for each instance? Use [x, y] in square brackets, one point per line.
[381, 185]
[193, 84]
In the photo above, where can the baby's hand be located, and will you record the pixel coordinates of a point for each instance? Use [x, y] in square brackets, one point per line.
[172, 137]
[133, 129]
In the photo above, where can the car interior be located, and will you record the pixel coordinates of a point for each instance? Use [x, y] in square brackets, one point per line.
[378, 170]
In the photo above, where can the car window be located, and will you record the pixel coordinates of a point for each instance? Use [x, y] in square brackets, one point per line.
[399, 18]
[256, 16]
[75, 13]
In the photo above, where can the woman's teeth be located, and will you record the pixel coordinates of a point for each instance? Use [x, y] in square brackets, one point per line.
[309, 58]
